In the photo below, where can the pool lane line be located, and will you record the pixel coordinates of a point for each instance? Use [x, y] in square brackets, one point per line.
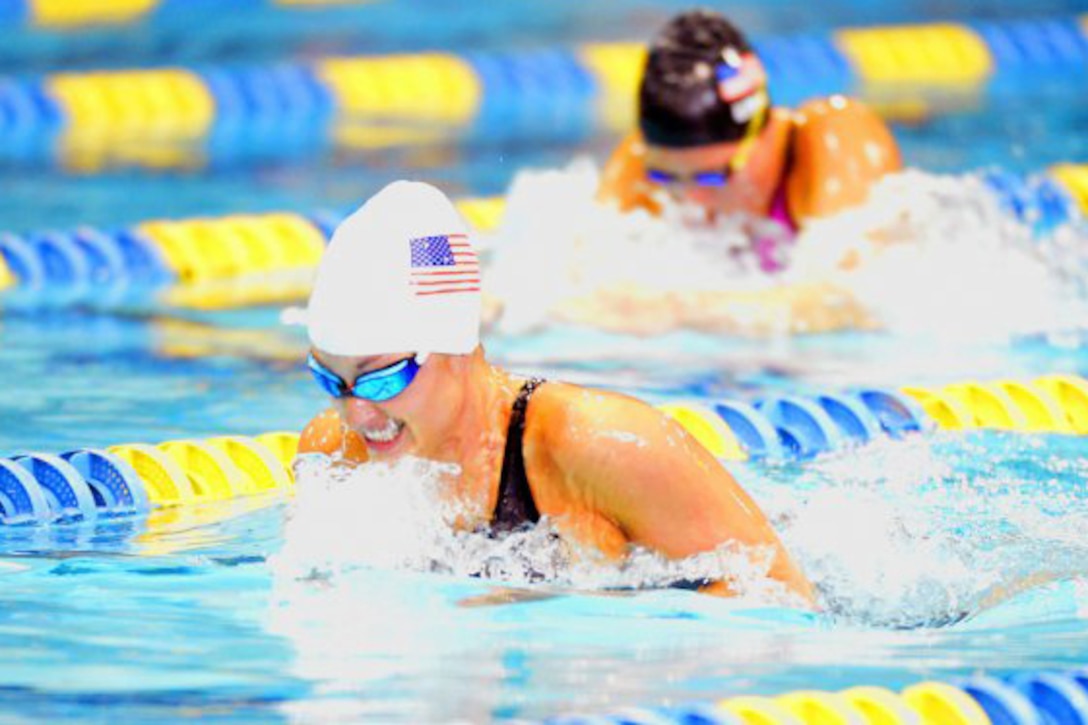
[183, 118]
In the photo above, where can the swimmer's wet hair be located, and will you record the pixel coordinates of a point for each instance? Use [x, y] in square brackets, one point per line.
[679, 105]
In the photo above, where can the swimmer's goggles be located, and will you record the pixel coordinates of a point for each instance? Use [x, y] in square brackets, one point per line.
[715, 177]
[375, 386]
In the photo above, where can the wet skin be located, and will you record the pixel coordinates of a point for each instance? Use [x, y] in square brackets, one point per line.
[606, 469]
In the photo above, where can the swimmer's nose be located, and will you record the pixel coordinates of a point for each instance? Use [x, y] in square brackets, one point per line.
[358, 414]
[698, 194]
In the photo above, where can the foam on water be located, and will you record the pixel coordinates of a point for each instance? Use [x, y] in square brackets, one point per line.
[920, 532]
[929, 531]
[371, 593]
[930, 256]
[394, 517]
[345, 596]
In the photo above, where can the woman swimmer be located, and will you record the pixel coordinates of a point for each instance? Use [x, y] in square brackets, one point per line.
[394, 326]
[710, 139]
[709, 135]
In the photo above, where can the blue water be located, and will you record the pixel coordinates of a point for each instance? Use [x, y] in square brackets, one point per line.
[935, 556]
[183, 615]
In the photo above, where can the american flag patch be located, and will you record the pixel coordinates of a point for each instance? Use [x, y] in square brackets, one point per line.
[738, 81]
[443, 265]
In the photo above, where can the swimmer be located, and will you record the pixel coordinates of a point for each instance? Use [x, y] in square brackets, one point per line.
[709, 135]
[394, 321]
[710, 141]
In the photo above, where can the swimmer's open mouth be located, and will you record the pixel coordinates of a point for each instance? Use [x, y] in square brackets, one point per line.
[385, 434]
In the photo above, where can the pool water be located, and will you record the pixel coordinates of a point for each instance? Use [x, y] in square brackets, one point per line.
[936, 555]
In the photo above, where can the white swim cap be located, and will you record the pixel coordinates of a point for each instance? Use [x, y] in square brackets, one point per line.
[400, 275]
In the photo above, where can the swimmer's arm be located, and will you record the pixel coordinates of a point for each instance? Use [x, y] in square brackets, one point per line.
[623, 181]
[644, 472]
[840, 148]
[798, 308]
[491, 309]
[327, 434]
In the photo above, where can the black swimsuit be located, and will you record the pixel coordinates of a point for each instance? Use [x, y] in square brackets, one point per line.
[515, 508]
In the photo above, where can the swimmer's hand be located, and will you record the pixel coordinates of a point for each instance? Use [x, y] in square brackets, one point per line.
[491, 310]
[327, 434]
[623, 308]
[784, 309]
[504, 595]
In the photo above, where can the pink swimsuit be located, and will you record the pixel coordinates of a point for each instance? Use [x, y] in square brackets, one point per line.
[767, 248]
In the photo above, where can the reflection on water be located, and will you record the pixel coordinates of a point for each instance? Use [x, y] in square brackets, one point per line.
[353, 601]
[926, 553]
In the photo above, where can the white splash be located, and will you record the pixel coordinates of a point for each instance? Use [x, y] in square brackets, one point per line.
[927, 255]
[394, 518]
[578, 246]
[937, 256]
[344, 596]
[896, 534]
[365, 516]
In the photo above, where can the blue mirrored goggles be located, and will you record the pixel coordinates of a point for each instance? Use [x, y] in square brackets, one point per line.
[375, 386]
[703, 178]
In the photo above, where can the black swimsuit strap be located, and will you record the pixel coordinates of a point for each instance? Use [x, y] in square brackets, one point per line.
[515, 506]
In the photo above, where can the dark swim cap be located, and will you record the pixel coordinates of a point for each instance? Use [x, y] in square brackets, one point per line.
[702, 84]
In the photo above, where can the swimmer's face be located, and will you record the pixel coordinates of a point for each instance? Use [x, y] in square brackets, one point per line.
[709, 176]
[416, 421]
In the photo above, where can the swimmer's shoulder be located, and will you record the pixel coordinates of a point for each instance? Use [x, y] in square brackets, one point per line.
[623, 180]
[835, 110]
[847, 130]
[599, 437]
[568, 413]
[601, 463]
[839, 148]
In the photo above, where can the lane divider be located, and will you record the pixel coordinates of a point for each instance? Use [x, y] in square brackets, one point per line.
[130, 478]
[67, 14]
[73, 14]
[133, 478]
[802, 427]
[252, 259]
[180, 118]
[938, 54]
[200, 263]
[1027, 698]
[1074, 178]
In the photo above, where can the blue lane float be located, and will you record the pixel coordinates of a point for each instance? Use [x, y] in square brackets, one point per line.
[1034, 45]
[116, 486]
[1036, 201]
[80, 485]
[24, 262]
[1059, 697]
[66, 493]
[896, 413]
[803, 426]
[22, 500]
[326, 220]
[143, 261]
[531, 93]
[67, 269]
[1004, 704]
[28, 121]
[804, 67]
[106, 266]
[851, 416]
[752, 429]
